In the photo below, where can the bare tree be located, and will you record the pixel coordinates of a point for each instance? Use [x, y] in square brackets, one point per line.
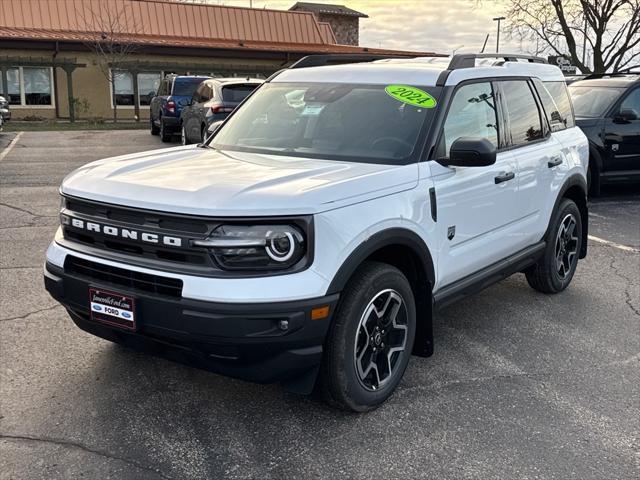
[611, 28]
[112, 30]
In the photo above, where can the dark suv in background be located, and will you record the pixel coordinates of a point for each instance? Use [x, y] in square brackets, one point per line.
[174, 92]
[212, 101]
[607, 109]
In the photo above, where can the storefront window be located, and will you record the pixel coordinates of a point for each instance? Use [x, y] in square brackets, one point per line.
[13, 84]
[148, 83]
[37, 86]
[123, 86]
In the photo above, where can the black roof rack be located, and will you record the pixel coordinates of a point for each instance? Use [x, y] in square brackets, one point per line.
[468, 60]
[338, 59]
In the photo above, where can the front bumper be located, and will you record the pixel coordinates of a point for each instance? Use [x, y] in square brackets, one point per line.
[245, 341]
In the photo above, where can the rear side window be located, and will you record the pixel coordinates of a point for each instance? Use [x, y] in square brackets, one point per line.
[563, 114]
[521, 111]
[472, 114]
[236, 93]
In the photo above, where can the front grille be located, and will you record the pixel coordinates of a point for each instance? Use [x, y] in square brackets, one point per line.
[195, 259]
[136, 281]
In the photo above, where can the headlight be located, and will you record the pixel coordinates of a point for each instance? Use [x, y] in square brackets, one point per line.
[256, 247]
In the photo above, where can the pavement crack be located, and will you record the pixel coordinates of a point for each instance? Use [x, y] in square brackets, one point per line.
[627, 294]
[22, 210]
[22, 317]
[80, 446]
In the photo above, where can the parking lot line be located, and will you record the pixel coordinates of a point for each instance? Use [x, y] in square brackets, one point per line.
[6, 151]
[626, 248]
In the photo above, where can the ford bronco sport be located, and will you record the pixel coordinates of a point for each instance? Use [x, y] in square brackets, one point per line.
[310, 238]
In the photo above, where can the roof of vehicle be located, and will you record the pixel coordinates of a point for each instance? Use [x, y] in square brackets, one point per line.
[618, 80]
[234, 80]
[419, 71]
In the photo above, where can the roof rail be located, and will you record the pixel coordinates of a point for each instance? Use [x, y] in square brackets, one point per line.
[338, 59]
[468, 60]
[624, 73]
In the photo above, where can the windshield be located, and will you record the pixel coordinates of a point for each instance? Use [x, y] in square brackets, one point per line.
[359, 123]
[593, 101]
[187, 86]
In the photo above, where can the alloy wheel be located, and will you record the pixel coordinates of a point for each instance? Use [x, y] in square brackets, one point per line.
[381, 339]
[566, 248]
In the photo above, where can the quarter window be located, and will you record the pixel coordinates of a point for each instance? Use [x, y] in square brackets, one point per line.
[472, 114]
[521, 112]
[560, 95]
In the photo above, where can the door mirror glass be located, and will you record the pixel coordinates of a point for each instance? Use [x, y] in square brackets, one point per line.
[626, 115]
[470, 152]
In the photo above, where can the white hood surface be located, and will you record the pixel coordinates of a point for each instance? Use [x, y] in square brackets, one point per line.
[203, 181]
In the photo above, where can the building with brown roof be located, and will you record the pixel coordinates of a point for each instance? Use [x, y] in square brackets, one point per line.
[49, 50]
[344, 21]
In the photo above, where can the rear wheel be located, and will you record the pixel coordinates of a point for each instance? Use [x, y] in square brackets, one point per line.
[554, 271]
[165, 136]
[370, 340]
[155, 130]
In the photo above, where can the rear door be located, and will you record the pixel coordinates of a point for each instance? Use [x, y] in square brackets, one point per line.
[541, 158]
[477, 206]
[622, 135]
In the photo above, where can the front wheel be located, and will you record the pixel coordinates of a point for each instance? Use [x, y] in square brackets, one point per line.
[183, 136]
[155, 130]
[370, 340]
[554, 271]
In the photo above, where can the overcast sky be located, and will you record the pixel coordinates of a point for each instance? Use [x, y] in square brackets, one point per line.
[423, 25]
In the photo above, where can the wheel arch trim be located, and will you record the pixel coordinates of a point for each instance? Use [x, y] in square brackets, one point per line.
[575, 182]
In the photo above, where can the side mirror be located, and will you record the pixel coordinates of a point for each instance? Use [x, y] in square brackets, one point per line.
[625, 115]
[212, 129]
[470, 152]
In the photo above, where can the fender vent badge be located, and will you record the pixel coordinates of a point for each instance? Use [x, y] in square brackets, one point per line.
[451, 232]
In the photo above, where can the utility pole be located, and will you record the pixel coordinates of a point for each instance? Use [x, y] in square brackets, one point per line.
[486, 39]
[498, 19]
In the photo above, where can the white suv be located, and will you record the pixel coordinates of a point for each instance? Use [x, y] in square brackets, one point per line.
[309, 239]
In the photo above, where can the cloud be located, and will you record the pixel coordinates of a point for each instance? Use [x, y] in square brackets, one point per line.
[420, 25]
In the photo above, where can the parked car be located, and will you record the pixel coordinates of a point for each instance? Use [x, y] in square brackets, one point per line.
[174, 92]
[5, 111]
[607, 109]
[309, 240]
[213, 100]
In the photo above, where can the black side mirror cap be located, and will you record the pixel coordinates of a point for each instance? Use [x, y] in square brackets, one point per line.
[626, 115]
[470, 152]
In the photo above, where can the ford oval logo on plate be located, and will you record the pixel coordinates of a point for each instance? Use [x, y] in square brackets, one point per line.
[125, 314]
[97, 308]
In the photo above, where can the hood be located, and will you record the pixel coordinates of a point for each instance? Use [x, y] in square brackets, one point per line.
[202, 181]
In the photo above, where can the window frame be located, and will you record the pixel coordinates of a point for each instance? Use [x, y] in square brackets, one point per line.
[23, 103]
[615, 108]
[132, 107]
[439, 122]
[546, 130]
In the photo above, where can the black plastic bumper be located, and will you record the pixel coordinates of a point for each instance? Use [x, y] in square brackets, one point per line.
[171, 123]
[245, 341]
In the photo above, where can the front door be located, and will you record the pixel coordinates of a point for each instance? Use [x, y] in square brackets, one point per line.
[622, 135]
[477, 206]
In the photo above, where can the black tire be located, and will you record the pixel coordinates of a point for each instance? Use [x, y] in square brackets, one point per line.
[165, 136]
[340, 383]
[155, 130]
[184, 138]
[548, 275]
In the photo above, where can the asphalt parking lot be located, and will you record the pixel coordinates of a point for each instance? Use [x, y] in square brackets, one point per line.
[522, 385]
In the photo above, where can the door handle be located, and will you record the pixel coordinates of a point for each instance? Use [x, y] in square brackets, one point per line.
[554, 162]
[505, 177]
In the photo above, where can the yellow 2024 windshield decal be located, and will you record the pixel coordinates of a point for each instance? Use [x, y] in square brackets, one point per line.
[411, 95]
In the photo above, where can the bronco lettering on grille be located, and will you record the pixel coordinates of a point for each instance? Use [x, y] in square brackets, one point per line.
[124, 233]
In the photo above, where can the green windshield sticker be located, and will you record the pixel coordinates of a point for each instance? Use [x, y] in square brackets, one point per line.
[411, 95]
